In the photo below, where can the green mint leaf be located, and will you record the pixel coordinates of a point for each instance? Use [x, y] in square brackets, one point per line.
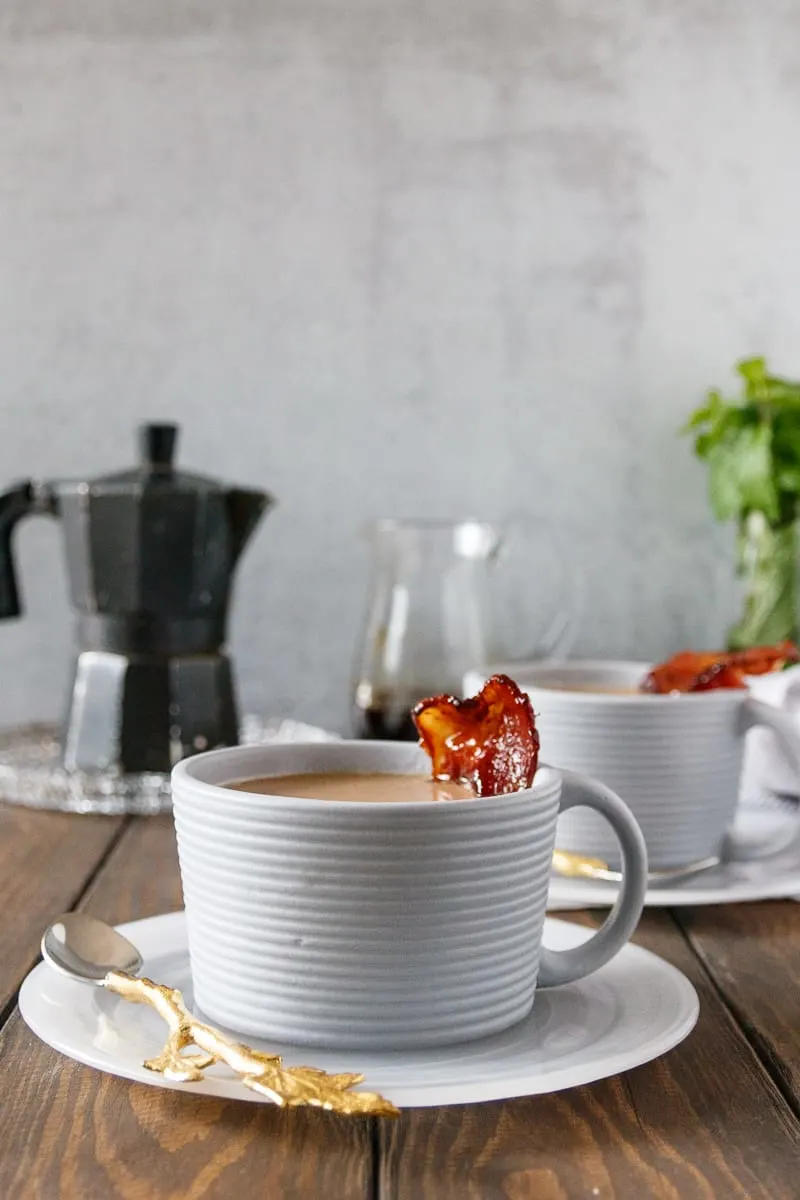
[787, 478]
[781, 394]
[786, 450]
[700, 416]
[703, 444]
[754, 372]
[741, 473]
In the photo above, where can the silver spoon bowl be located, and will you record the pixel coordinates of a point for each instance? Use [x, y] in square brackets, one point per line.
[85, 949]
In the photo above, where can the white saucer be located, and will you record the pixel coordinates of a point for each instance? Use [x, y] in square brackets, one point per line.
[631, 1011]
[770, 839]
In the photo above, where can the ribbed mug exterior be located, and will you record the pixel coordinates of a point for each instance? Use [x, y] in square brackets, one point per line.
[674, 759]
[363, 925]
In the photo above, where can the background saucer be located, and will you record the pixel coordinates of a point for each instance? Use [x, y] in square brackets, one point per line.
[766, 876]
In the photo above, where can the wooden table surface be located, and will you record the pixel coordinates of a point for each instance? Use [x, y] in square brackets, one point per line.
[717, 1117]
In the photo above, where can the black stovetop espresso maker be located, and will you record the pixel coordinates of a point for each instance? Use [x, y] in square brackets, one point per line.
[151, 554]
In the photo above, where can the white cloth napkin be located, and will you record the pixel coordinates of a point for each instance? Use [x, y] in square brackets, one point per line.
[256, 730]
[767, 768]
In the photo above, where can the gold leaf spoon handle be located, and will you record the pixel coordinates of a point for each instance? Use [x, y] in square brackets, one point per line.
[264, 1073]
[579, 866]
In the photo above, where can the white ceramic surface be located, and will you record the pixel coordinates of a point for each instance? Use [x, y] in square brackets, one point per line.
[629, 1012]
[767, 766]
[766, 876]
[376, 925]
[674, 760]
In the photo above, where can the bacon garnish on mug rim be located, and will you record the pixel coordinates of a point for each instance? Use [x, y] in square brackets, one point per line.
[488, 742]
[703, 671]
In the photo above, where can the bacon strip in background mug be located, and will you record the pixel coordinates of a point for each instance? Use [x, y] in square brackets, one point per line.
[703, 671]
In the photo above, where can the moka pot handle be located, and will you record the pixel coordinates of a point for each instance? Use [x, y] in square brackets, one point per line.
[20, 500]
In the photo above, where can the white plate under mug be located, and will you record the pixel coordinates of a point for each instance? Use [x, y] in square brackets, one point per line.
[629, 1012]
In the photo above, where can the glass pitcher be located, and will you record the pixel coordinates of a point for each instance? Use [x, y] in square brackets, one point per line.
[434, 613]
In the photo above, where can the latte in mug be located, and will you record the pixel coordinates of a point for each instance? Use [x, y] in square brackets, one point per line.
[371, 788]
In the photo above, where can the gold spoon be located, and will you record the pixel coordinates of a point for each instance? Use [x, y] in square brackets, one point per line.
[582, 866]
[90, 951]
[578, 866]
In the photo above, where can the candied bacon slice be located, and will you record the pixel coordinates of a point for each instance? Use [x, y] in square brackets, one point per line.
[761, 660]
[488, 742]
[691, 671]
[678, 673]
[719, 675]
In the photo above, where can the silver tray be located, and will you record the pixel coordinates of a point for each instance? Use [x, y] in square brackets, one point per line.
[31, 773]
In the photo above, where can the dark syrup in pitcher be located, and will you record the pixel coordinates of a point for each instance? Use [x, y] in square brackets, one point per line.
[377, 724]
[388, 718]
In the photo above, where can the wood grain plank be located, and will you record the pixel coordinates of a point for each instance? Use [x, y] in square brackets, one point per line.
[705, 1121]
[140, 877]
[74, 1134]
[45, 860]
[753, 953]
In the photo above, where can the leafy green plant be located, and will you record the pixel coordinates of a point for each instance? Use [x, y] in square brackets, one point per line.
[752, 447]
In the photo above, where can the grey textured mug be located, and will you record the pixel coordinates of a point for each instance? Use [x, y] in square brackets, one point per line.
[674, 759]
[350, 924]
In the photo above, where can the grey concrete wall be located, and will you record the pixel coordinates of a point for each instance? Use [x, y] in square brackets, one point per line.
[441, 256]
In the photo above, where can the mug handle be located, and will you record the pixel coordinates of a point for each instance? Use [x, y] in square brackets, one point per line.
[564, 966]
[757, 712]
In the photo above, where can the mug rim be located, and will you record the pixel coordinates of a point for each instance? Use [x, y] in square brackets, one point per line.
[525, 673]
[182, 776]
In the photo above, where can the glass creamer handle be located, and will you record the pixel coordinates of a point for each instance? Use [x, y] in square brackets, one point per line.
[566, 602]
